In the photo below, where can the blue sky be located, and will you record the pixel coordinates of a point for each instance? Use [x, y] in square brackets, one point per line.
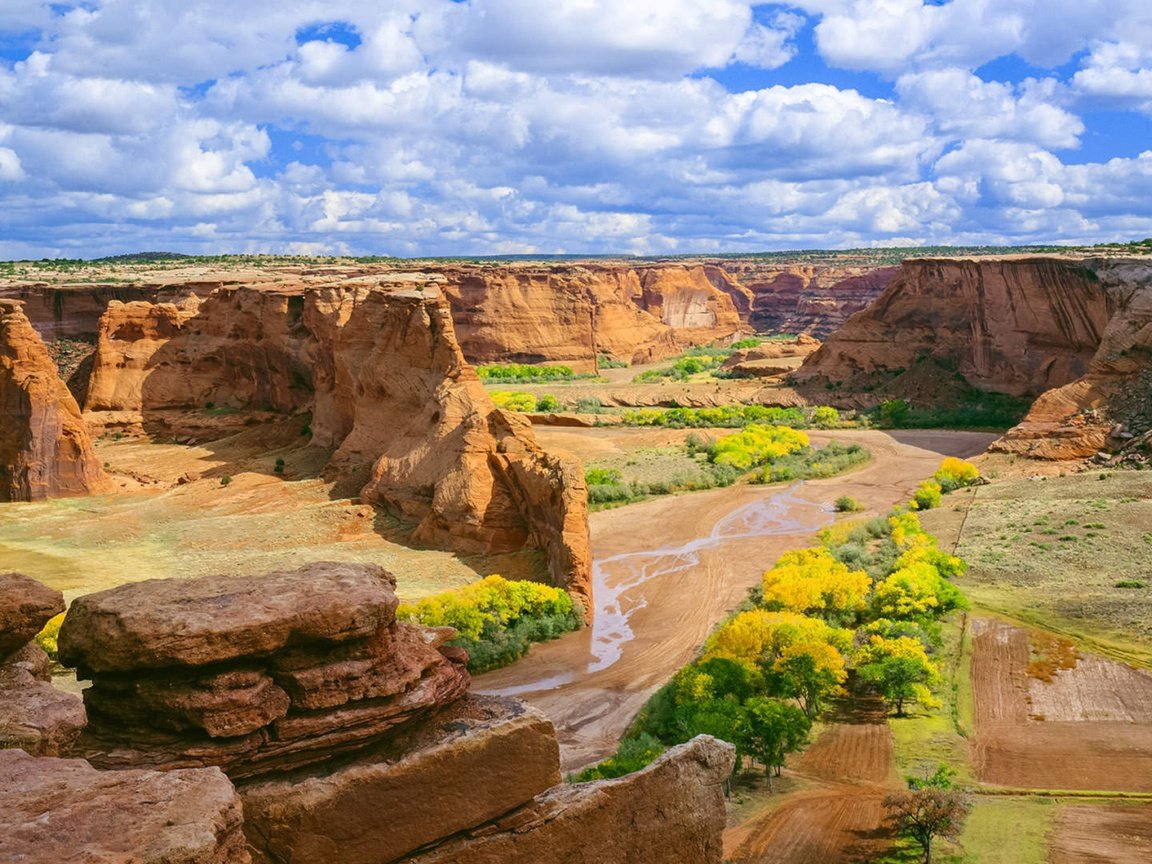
[432, 127]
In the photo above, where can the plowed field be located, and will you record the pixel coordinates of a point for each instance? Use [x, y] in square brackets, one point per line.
[1089, 728]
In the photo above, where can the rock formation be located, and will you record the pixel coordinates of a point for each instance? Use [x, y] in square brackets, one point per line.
[45, 451]
[65, 810]
[1017, 326]
[254, 674]
[389, 392]
[798, 297]
[34, 715]
[572, 314]
[347, 735]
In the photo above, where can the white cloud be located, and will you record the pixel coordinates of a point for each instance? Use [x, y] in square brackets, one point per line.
[964, 106]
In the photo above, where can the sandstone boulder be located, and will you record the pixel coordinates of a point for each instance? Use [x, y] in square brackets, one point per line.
[160, 623]
[475, 762]
[671, 812]
[25, 607]
[253, 674]
[45, 451]
[55, 810]
[34, 715]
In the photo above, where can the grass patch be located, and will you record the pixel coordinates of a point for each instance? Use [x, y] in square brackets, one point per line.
[1005, 830]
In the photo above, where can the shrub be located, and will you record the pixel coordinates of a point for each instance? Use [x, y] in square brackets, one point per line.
[632, 755]
[756, 445]
[602, 476]
[547, 402]
[1131, 583]
[497, 619]
[511, 400]
[848, 504]
[825, 417]
[955, 473]
[279, 467]
[225, 480]
[808, 464]
[523, 372]
[47, 637]
[929, 494]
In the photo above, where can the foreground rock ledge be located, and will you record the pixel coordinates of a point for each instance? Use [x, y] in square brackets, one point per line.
[55, 810]
[672, 812]
[477, 761]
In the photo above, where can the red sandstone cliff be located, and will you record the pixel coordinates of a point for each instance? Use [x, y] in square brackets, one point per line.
[1018, 326]
[389, 391]
[45, 451]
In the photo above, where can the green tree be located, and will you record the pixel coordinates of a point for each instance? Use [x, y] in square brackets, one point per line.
[899, 670]
[927, 813]
[772, 729]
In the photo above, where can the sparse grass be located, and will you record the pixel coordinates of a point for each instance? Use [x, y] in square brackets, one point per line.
[1053, 555]
[1007, 830]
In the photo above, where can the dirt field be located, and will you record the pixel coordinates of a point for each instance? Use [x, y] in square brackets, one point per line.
[259, 521]
[1090, 729]
[667, 571]
[1102, 834]
[841, 819]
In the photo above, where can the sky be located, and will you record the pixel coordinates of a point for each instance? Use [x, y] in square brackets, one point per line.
[492, 127]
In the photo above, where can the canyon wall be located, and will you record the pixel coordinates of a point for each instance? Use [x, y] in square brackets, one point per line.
[389, 392]
[1073, 333]
[1011, 326]
[797, 297]
[346, 735]
[45, 450]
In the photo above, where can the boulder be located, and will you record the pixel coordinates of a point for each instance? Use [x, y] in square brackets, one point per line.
[34, 715]
[25, 607]
[160, 623]
[55, 810]
[477, 761]
[671, 812]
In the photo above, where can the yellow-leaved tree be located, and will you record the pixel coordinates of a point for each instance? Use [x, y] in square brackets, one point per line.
[900, 671]
[813, 582]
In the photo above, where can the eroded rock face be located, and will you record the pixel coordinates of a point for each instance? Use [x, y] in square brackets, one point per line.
[572, 314]
[65, 810]
[25, 607]
[671, 812]
[475, 762]
[253, 674]
[45, 451]
[389, 391]
[1019, 326]
[1077, 420]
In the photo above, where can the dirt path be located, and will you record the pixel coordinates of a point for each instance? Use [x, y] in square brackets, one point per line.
[841, 819]
[668, 570]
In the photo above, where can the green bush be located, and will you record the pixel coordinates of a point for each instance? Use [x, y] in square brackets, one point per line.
[811, 464]
[632, 755]
[47, 637]
[1131, 583]
[496, 619]
[523, 372]
[511, 400]
[928, 494]
[548, 403]
[848, 504]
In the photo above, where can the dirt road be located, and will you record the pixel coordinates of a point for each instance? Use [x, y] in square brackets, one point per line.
[666, 571]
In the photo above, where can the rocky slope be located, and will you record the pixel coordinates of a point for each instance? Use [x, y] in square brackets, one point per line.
[45, 451]
[388, 390]
[346, 735]
[1072, 332]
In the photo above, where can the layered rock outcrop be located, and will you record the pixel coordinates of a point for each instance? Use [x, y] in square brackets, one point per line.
[253, 674]
[183, 672]
[65, 810]
[45, 451]
[799, 297]
[34, 715]
[1019, 326]
[574, 313]
[380, 370]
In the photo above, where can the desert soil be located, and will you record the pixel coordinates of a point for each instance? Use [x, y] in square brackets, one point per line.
[1089, 728]
[667, 570]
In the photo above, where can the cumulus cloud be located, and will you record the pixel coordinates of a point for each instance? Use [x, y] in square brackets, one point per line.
[441, 127]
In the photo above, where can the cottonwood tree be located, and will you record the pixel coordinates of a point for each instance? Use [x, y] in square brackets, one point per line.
[929, 810]
[772, 730]
[899, 670]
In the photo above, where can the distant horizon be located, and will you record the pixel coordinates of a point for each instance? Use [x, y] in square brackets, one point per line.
[420, 128]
